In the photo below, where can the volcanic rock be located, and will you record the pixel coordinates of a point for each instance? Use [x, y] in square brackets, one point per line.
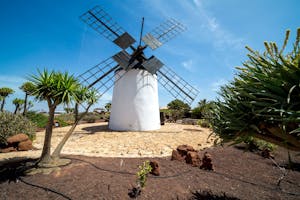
[155, 168]
[207, 162]
[25, 145]
[8, 149]
[193, 158]
[184, 149]
[17, 138]
[177, 156]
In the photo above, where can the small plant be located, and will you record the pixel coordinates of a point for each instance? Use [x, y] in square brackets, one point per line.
[11, 124]
[145, 169]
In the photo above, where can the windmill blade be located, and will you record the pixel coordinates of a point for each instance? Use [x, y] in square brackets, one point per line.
[124, 60]
[101, 77]
[163, 33]
[100, 21]
[152, 65]
[175, 85]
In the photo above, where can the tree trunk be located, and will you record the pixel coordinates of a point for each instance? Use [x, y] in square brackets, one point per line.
[76, 112]
[25, 104]
[2, 105]
[45, 156]
[57, 151]
[17, 107]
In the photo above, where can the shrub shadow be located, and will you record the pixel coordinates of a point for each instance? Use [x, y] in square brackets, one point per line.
[97, 128]
[192, 129]
[204, 195]
[13, 168]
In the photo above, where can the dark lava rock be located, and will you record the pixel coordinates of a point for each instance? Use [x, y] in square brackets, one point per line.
[155, 168]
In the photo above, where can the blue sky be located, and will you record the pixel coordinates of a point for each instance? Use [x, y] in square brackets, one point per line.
[38, 34]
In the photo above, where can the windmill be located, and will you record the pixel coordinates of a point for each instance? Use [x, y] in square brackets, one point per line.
[134, 76]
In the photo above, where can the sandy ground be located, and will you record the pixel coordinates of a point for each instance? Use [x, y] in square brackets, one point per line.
[95, 139]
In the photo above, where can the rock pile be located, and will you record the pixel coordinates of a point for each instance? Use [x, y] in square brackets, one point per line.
[191, 156]
[19, 142]
[188, 154]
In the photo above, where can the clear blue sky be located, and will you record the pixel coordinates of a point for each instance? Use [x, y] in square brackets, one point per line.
[38, 34]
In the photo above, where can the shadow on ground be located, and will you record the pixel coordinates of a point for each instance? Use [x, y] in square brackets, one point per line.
[14, 168]
[192, 129]
[97, 128]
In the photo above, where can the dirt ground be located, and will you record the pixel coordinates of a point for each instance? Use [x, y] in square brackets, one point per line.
[104, 166]
[238, 174]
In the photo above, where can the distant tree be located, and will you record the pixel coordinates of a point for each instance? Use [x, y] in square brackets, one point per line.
[18, 103]
[69, 110]
[178, 109]
[108, 107]
[55, 88]
[204, 109]
[178, 105]
[28, 88]
[29, 105]
[4, 93]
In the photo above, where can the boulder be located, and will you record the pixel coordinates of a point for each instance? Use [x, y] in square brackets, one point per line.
[193, 158]
[177, 156]
[8, 149]
[207, 162]
[155, 168]
[17, 138]
[25, 145]
[184, 149]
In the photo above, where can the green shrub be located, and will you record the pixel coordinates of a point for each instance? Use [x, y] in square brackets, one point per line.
[12, 124]
[91, 117]
[39, 119]
[263, 99]
[65, 119]
[204, 123]
[61, 122]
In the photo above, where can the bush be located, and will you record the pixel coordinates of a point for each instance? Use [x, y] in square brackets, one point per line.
[39, 119]
[12, 124]
[204, 123]
[263, 99]
[61, 122]
[65, 119]
[91, 117]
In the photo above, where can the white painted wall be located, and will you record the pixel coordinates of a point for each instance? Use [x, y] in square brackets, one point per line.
[135, 102]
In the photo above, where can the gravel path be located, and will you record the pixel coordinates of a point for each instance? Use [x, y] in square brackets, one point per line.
[95, 139]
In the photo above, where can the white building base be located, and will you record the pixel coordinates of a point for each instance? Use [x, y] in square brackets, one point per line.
[135, 104]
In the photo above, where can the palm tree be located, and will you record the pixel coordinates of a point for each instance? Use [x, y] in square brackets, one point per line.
[85, 95]
[4, 92]
[18, 103]
[55, 88]
[28, 88]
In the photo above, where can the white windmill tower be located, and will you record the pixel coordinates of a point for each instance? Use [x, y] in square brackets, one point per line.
[135, 104]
